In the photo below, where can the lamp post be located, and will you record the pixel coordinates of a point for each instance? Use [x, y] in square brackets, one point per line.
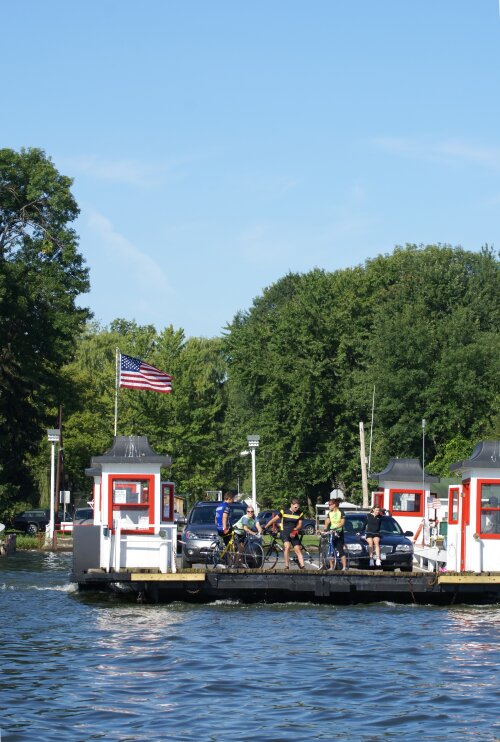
[253, 444]
[54, 436]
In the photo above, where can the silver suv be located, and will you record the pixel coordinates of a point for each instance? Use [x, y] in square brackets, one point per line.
[200, 530]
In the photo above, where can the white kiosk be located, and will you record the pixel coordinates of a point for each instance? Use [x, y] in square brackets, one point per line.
[405, 493]
[473, 543]
[133, 526]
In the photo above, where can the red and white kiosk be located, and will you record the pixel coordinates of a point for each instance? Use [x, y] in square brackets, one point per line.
[404, 490]
[473, 543]
[133, 524]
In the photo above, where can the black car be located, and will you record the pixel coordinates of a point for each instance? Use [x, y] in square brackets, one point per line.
[82, 515]
[200, 531]
[32, 521]
[396, 550]
[308, 524]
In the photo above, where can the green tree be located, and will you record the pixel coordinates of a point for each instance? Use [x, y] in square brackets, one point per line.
[41, 275]
[419, 325]
[187, 424]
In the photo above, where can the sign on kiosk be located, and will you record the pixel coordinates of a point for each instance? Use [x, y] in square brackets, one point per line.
[167, 502]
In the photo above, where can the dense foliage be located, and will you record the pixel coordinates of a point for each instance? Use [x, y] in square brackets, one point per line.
[419, 327]
[187, 424]
[41, 274]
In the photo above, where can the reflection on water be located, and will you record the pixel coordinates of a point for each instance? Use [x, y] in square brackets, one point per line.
[82, 668]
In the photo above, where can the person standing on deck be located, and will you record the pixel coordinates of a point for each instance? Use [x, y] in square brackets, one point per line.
[335, 519]
[291, 523]
[222, 517]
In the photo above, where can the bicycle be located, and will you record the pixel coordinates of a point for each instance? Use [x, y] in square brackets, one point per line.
[273, 550]
[229, 556]
[329, 552]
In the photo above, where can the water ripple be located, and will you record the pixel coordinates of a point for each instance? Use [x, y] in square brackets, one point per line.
[80, 668]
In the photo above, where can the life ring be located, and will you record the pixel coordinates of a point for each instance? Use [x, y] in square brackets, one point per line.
[419, 531]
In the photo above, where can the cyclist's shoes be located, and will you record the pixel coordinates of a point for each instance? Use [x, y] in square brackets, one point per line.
[221, 566]
[372, 563]
[378, 563]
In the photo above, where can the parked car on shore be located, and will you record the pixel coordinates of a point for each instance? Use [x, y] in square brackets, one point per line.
[32, 521]
[82, 515]
[308, 524]
[200, 531]
[396, 549]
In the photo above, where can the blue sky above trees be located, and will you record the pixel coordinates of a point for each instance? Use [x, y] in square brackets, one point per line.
[215, 146]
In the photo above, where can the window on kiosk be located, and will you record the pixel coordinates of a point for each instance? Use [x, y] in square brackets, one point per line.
[453, 505]
[407, 502]
[490, 509]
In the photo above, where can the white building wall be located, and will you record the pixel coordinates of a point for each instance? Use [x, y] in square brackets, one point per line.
[408, 522]
[481, 555]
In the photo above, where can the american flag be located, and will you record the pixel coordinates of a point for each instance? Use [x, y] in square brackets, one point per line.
[135, 374]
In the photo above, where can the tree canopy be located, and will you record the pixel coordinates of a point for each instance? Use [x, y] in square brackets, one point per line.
[299, 367]
[41, 275]
[419, 326]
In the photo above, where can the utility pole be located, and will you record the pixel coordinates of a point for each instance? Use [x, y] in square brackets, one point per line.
[58, 464]
[364, 476]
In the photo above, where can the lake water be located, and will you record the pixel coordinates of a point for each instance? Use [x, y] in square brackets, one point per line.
[74, 667]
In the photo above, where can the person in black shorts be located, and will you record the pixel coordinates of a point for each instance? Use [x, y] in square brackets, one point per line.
[372, 534]
[291, 523]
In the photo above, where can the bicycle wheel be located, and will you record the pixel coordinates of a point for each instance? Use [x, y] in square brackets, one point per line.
[328, 554]
[311, 556]
[214, 555]
[271, 555]
[234, 558]
[253, 555]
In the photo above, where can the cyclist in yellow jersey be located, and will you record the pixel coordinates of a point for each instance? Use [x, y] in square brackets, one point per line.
[335, 520]
[291, 523]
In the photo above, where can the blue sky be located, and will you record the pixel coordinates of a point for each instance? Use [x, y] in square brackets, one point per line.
[216, 145]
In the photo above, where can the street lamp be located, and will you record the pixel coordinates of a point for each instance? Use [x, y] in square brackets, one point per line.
[253, 444]
[54, 436]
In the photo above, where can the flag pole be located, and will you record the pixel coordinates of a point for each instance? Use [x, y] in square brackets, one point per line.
[117, 381]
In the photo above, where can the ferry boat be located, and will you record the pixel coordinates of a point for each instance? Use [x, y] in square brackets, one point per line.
[130, 546]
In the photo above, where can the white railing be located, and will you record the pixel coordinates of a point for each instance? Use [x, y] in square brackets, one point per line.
[141, 550]
[429, 558]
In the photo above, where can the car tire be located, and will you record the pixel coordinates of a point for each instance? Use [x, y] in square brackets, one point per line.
[32, 529]
[309, 530]
[184, 563]
[407, 569]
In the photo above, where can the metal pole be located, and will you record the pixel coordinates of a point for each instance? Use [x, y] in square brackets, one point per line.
[427, 525]
[50, 533]
[254, 483]
[57, 487]
[117, 382]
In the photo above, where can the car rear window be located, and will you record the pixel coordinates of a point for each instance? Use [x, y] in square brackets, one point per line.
[81, 513]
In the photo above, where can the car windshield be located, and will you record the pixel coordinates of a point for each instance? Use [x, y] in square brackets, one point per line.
[205, 515]
[354, 524]
[389, 525]
[357, 523]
